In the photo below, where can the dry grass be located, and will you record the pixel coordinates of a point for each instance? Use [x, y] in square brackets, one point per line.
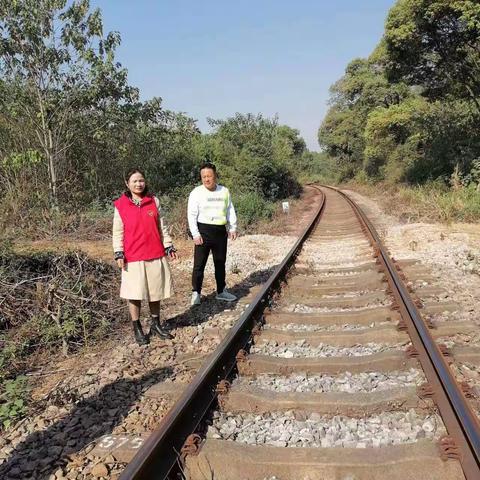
[431, 202]
[53, 301]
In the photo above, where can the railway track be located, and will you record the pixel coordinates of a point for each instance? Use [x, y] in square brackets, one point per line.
[335, 372]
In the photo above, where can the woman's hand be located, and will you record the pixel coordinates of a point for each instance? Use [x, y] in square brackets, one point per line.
[171, 252]
[198, 240]
[121, 263]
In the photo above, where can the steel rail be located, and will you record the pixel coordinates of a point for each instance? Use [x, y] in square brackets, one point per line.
[459, 418]
[161, 451]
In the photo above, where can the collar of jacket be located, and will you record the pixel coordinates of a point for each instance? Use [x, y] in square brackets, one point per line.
[146, 200]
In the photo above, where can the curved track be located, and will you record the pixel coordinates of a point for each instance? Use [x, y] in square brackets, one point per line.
[331, 373]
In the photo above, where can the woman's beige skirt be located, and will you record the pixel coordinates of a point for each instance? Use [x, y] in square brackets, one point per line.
[146, 280]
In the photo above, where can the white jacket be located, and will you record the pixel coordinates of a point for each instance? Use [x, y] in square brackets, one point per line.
[210, 207]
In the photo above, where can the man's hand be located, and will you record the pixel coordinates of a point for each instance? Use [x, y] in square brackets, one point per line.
[173, 255]
[232, 235]
[198, 240]
[121, 263]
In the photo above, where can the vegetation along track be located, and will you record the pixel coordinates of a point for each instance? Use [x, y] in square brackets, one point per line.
[335, 375]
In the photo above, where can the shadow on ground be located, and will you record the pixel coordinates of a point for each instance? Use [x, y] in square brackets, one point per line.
[198, 314]
[43, 452]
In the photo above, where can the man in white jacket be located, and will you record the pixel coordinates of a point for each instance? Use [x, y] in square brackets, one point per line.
[211, 219]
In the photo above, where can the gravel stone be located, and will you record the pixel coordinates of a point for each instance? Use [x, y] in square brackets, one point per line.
[301, 308]
[100, 470]
[282, 429]
[298, 327]
[302, 349]
[246, 255]
[362, 382]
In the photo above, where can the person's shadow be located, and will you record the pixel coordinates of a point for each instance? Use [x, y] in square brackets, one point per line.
[43, 452]
[198, 314]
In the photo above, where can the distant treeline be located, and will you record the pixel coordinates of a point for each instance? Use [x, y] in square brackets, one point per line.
[71, 125]
[411, 111]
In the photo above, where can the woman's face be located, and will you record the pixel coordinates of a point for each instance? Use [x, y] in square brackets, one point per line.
[209, 178]
[136, 184]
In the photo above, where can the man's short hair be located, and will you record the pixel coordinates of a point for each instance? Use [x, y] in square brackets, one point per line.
[208, 165]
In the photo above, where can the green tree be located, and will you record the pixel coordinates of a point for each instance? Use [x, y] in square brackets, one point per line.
[289, 138]
[363, 88]
[250, 133]
[56, 56]
[419, 140]
[435, 44]
[394, 139]
[255, 154]
[410, 112]
[341, 135]
[160, 141]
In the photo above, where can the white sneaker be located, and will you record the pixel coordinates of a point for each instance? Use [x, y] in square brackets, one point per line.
[195, 298]
[226, 296]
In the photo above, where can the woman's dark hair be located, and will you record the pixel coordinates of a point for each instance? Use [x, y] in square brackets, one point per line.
[131, 172]
[208, 165]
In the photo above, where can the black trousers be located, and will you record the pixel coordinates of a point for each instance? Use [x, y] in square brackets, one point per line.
[214, 240]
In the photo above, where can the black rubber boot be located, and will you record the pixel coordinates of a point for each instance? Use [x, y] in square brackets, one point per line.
[140, 337]
[157, 329]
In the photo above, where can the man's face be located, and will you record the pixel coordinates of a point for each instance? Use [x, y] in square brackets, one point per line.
[209, 178]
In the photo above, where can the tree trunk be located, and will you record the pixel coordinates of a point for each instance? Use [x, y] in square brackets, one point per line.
[52, 173]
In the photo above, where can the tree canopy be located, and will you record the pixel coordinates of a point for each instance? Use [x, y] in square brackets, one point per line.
[410, 112]
[71, 125]
[436, 45]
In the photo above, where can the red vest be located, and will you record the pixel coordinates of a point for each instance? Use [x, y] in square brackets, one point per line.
[142, 239]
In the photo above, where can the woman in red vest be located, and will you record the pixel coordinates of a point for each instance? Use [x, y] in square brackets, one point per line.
[141, 244]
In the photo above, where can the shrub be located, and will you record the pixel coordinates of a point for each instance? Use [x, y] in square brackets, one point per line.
[13, 400]
[251, 207]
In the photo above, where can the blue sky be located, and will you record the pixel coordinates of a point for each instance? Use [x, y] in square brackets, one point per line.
[213, 58]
